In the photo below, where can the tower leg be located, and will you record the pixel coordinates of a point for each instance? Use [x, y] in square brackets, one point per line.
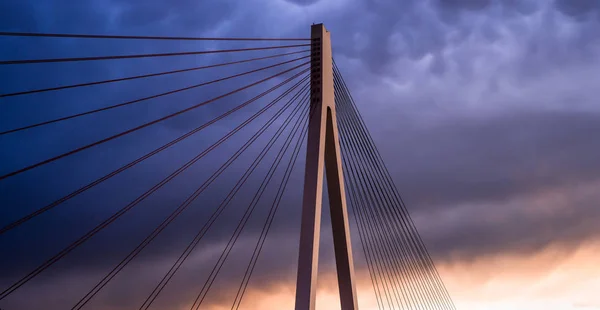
[323, 151]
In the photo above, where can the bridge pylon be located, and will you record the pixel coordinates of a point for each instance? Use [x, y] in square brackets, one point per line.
[323, 156]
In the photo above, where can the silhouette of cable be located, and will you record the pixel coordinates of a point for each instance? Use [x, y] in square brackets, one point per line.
[130, 164]
[243, 221]
[415, 292]
[371, 246]
[149, 97]
[404, 270]
[411, 261]
[113, 57]
[376, 188]
[96, 36]
[215, 215]
[373, 252]
[419, 279]
[386, 260]
[128, 207]
[147, 75]
[175, 213]
[361, 231]
[218, 211]
[418, 243]
[147, 124]
[402, 266]
[379, 239]
[399, 263]
[270, 217]
[382, 242]
[388, 264]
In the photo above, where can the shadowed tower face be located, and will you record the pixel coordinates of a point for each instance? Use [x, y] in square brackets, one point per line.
[323, 155]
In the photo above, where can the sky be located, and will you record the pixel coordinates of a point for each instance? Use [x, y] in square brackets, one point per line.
[484, 111]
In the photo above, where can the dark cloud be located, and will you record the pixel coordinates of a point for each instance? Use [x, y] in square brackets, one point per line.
[303, 2]
[493, 158]
[466, 4]
[559, 216]
[520, 6]
[182, 16]
[579, 8]
[21, 12]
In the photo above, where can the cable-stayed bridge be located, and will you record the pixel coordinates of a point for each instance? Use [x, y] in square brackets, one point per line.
[288, 112]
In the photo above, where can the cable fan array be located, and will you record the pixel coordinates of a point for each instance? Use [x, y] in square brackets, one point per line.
[402, 272]
[277, 117]
[259, 126]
